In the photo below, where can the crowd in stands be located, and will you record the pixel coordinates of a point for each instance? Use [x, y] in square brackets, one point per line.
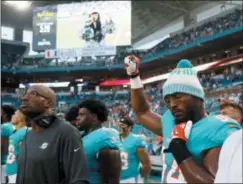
[120, 104]
[119, 101]
[219, 87]
[212, 27]
[225, 79]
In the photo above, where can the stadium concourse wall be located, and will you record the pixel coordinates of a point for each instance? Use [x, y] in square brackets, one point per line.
[120, 66]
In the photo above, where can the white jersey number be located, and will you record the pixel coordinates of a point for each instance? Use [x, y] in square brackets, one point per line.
[11, 156]
[174, 175]
[124, 160]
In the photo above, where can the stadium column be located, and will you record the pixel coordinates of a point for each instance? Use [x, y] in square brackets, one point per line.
[188, 19]
[18, 34]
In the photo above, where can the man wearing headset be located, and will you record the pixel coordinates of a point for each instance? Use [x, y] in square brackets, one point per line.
[52, 151]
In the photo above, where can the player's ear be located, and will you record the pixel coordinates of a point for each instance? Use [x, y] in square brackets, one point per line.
[94, 117]
[130, 128]
[48, 103]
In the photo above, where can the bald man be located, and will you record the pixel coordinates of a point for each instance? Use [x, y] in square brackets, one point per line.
[52, 151]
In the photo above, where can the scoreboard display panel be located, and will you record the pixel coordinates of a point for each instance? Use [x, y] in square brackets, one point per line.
[44, 28]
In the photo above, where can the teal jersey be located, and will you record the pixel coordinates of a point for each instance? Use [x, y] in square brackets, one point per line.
[94, 142]
[6, 130]
[207, 133]
[130, 162]
[81, 132]
[13, 150]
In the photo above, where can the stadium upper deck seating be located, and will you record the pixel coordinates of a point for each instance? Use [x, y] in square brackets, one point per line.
[211, 30]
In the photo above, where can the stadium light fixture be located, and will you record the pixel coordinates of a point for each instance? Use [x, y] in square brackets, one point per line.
[79, 80]
[48, 84]
[21, 5]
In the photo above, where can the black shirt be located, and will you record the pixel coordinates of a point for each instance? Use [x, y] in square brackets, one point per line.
[52, 156]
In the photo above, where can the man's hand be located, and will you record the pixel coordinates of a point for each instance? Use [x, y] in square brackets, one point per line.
[132, 64]
[182, 131]
[179, 135]
[143, 172]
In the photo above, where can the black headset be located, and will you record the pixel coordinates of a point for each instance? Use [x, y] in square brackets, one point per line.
[44, 121]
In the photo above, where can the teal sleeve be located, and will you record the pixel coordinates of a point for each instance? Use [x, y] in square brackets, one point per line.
[141, 141]
[6, 130]
[224, 131]
[218, 135]
[108, 139]
[21, 135]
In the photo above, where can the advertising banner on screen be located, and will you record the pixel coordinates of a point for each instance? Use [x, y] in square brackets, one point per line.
[99, 51]
[80, 52]
[44, 28]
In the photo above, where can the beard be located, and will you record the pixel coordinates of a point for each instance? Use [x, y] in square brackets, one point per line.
[192, 113]
[32, 115]
[187, 115]
[181, 120]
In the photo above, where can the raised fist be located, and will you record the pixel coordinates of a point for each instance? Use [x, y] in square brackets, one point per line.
[132, 64]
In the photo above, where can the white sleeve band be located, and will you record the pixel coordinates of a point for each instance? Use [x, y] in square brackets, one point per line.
[136, 83]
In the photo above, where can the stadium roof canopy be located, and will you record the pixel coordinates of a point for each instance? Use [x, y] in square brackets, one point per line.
[147, 16]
